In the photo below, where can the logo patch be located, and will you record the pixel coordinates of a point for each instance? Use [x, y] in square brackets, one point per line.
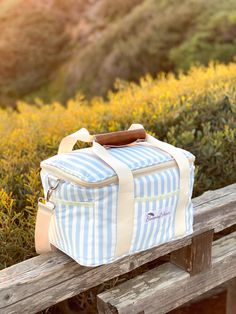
[159, 214]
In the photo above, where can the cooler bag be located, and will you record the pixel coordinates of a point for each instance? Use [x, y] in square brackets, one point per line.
[126, 193]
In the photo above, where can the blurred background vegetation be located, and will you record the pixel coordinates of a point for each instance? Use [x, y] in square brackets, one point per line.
[196, 111]
[53, 48]
[103, 65]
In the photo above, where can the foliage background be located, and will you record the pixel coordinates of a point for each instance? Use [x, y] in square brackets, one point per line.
[103, 65]
[53, 48]
[195, 111]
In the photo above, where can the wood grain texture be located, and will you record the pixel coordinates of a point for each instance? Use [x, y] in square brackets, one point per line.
[120, 137]
[231, 297]
[196, 257]
[215, 209]
[167, 287]
[54, 277]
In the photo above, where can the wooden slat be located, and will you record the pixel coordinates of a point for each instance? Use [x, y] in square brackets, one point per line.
[215, 209]
[55, 277]
[167, 287]
[196, 257]
[231, 297]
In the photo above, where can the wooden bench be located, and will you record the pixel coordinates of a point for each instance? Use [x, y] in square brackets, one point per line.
[168, 286]
[195, 267]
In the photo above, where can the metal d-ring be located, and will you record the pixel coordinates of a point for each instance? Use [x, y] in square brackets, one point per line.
[51, 188]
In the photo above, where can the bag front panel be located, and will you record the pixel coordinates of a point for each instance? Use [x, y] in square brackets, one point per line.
[84, 223]
[155, 209]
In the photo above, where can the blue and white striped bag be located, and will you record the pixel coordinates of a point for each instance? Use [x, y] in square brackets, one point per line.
[104, 203]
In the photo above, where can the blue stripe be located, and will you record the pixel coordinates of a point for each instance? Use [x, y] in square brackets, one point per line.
[162, 206]
[168, 205]
[96, 163]
[94, 169]
[88, 167]
[147, 234]
[86, 227]
[133, 163]
[109, 223]
[100, 228]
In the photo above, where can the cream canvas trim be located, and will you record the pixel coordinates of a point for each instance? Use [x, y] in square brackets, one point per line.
[68, 142]
[184, 169]
[44, 214]
[125, 202]
[125, 205]
[184, 172]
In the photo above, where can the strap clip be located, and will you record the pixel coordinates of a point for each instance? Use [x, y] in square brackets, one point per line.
[51, 188]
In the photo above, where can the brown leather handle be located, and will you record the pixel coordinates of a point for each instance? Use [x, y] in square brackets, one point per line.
[120, 137]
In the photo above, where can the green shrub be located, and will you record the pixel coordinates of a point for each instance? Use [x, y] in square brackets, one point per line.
[214, 40]
[154, 36]
[196, 111]
[53, 51]
[33, 45]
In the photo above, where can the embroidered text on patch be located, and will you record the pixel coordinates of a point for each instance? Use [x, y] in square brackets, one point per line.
[151, 215]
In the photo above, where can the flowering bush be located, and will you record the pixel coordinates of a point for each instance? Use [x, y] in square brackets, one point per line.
[196, 111]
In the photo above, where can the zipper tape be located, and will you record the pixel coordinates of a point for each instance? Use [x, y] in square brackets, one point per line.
[136, 199]
[58, 173]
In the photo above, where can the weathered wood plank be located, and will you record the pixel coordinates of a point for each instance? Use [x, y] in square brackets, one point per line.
[55, 277]
[196, 257]
[215, 209]
[231, 297]
[167, 287]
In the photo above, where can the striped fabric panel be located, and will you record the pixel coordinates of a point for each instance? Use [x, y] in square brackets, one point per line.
[86, 166]
[84, 225]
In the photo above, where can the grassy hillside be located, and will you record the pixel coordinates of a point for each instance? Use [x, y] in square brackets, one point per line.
[53, 49]
[149, 37]
[35, 41]
[196, 111]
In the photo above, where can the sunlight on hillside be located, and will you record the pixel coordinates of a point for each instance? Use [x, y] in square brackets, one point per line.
[104, 65]
[6, 5]
[82, 45]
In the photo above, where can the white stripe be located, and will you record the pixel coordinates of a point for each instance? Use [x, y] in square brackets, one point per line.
[90, 233]
[75, 241]
[141, 231]
[176, 197]
[96, 222]
[168, 206]
[136, 217]
[171, 204]
[162, 204]
[165, 202]
[150, 224]
[105, 204]
[96, 171]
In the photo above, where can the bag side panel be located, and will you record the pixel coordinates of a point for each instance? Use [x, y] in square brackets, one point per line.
[84, 223]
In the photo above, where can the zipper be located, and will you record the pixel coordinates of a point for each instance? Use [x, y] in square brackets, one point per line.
[136, 173]
[87, 203]
[136, 199]
[156, 198]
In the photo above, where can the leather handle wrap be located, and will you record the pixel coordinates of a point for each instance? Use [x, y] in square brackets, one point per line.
[120, 137]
